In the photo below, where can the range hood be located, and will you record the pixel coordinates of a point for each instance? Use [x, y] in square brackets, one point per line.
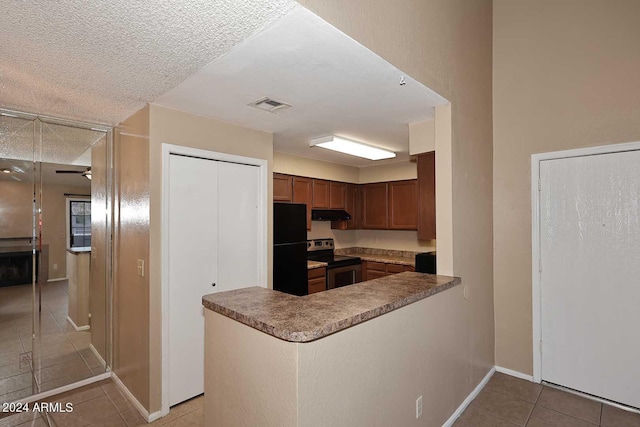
[329, 215]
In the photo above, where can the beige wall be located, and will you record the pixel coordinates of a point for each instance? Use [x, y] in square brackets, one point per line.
[131, 292]
[367, 375]
[250, 377]
[389, 172]
[447, 45]
[566, 75]
[372, 374]
[180, 128]
[422, 137]
[302, 166]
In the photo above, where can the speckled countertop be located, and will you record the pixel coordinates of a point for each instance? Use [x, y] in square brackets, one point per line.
[381, 255]
[308, 318]
[315, 264]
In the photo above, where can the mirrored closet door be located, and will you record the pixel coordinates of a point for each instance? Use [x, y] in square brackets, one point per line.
[55, 253]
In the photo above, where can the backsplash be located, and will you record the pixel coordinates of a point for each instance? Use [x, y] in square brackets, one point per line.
[376, 251]
[398, 240]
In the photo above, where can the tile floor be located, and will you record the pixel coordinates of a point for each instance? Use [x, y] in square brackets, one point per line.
[504, 402]
[101, 404]
[510, 402]
[66, 356]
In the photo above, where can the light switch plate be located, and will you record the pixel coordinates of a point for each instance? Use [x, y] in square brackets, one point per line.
[141, 267]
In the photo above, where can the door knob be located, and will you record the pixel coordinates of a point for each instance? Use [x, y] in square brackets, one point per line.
[213, 284]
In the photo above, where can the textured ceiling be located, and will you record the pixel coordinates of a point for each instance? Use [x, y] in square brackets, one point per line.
[334, 84]
[23, 139]
[100, 61]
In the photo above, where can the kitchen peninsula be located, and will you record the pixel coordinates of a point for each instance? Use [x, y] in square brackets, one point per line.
[356, 355]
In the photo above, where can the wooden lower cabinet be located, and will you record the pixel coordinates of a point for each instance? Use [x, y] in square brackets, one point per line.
[394, 268]
[374, 270]
[317, 280]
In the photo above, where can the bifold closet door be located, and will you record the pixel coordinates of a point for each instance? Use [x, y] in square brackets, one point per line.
[238, 215]
[193, 268]
[590, 274]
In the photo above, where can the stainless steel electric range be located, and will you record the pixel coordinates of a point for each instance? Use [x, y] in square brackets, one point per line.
[341, 270]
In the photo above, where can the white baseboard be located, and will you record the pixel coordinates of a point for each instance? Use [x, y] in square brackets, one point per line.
[68, 387]
[514, 373]
[100, 359]
[76, 327]
[57, 280]
[452, 419]
[145, 414]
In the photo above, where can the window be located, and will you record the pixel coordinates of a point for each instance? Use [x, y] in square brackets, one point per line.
[79, 223]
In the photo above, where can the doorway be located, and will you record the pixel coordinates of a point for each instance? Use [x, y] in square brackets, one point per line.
[214, 239]
[586, 267]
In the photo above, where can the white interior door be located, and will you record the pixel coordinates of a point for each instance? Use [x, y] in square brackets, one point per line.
[193, 268]
[590, 278]
[239, 216]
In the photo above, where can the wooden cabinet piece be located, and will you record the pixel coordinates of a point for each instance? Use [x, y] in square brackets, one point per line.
[373, 270]
[375, 206]
[403, 205]
[375, 274]
[337, 195]
[317, 280]
[282, 188]
[394, 268]
[320, 194]
[303, 193]
[353, 206]
[427, 196]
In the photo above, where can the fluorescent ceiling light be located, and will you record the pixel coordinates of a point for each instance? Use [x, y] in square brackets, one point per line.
[352, 148]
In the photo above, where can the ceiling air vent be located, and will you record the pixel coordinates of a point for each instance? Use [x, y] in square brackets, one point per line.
[270, 105]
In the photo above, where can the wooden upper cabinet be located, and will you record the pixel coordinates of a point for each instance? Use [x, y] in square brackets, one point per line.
[337, 195]
[282, 188]
[375, 206]
[353, 206]
[427, 196]
[358, 200]
[403, 205]
[303, 193]
[320, 194]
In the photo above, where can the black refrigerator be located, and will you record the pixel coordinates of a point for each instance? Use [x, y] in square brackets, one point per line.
[290, 248]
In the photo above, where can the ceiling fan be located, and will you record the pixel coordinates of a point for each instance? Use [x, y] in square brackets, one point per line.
[86, 173]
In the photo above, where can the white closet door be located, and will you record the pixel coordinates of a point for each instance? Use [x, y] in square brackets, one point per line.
[193, 268]
[238, 189]
[590, 279]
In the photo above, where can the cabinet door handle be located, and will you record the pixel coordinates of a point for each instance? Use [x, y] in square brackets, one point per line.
[213, 284]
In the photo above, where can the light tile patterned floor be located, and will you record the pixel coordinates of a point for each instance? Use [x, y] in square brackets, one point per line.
[66, 357]
[510, 402]
[101, 404]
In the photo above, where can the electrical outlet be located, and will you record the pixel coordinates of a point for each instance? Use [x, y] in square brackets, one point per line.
[55, 266]
[141, 267]
[418, 407]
